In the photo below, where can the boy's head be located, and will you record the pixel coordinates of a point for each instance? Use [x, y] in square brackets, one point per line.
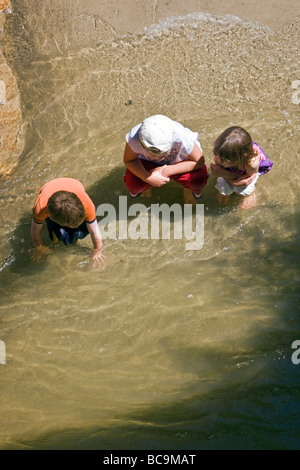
[234, 146]
[66, 209]
[156, 135]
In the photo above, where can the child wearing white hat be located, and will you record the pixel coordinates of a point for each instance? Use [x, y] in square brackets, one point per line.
[159, 150]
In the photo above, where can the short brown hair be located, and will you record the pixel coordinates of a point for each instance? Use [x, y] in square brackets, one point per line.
[234, 145]
[66, 209]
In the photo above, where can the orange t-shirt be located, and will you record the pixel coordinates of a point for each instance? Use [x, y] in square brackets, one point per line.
[40, 209]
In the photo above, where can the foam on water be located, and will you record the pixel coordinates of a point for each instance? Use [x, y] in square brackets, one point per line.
[196, 19]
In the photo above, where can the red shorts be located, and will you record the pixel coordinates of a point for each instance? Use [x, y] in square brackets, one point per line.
[194, 180]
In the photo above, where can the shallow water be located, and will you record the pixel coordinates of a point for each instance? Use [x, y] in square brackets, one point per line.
[163, 347]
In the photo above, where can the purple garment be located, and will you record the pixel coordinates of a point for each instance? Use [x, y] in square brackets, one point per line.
[265, 163]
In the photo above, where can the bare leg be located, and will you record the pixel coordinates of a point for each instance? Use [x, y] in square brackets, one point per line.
[188, 196]
[147, 193]
[223, 199]
[249, 201]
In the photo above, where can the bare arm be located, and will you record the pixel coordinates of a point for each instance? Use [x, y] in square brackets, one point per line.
[220, 171]
[253, 165]
[36, 233]
[252, 170]
[133, 163]
[194, 162]
[40, 249]
[94, 231]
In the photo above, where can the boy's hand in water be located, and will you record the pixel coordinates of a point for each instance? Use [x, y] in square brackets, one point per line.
[98, 258]
[39, 252]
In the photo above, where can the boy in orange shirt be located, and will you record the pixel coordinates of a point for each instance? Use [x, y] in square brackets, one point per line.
[69, 214]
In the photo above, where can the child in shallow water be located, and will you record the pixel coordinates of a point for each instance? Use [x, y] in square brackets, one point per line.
[69, 214]
[159, 150]
[239, 162]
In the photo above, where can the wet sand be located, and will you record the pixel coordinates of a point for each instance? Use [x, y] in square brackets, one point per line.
[92, 22]
[133, 15]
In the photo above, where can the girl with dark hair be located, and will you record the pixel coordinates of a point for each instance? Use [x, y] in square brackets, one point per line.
[238, 163]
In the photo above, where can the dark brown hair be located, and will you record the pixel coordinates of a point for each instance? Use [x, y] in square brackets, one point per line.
[234, 145]
[66, 209]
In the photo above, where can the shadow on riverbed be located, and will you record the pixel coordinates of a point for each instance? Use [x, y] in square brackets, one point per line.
[247, 411]
[109, 188]
[254, 401]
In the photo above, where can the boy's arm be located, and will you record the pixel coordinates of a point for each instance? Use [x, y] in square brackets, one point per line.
[40, 249]
[36, 233]
[194, 162]
[94, 231]
[132, 162]
[134, 165]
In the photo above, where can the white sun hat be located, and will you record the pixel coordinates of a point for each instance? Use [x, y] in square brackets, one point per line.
[156, 133]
